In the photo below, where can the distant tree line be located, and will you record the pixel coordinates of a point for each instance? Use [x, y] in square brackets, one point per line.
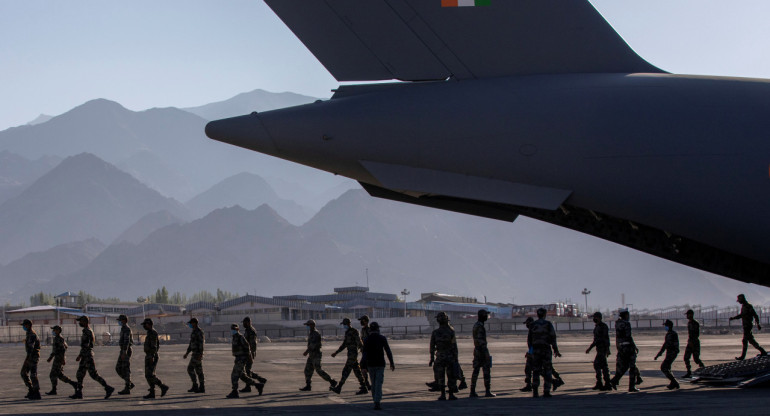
[162, 296]
[40, 299]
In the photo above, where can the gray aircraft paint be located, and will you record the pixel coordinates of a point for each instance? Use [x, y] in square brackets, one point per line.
[672, 165]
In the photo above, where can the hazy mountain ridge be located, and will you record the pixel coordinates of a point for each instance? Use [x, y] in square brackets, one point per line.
[83, 197]
[17, 172]
[244, 103]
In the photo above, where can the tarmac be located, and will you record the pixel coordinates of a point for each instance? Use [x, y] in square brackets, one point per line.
[404, 389]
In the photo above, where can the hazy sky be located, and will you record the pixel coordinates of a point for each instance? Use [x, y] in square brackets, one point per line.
[57, 54]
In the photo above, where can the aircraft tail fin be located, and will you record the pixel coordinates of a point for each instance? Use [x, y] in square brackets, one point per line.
[416, 40]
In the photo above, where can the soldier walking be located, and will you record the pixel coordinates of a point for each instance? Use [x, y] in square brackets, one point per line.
[29, 368]
[602, 344]
[373, 356]
[57, 355]
[555, 376]
[251, 337]
[123, 367]
[748, 315]
[693, 343]
[671, 348]
[482, 360]
[627, 351]
[242, 353]
[365, 331]
[542, 338]
[151, 347]
[195, 367]
[352, 343]
[86, 360]
[313, 354]
[443, 354]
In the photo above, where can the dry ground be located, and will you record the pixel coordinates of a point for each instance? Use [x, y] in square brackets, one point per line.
[404, 392]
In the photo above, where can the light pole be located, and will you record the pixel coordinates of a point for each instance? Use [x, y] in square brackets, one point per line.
[585, 293]
[404, 293]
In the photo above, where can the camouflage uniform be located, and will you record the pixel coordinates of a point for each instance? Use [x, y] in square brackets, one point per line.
[626, 356]
[87, 360]
[693, 344]
[481, 358]
[671, 348]
[353, 343]
[542, 338]
[195, 367]
[314, 358]
[747, 316]
[29, 368]
[57, 355]
[444, 345]
[151, 347]
[242, 354]
[251, 337]
[602, 344]
[123, 367]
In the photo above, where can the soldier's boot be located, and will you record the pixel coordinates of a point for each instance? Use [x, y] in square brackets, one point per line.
[52, 392]
[452, 395]
[632, 385]
[557, 382]
[701, 365]
[163, 390]
[261, 379]
[614, 382]
[473, 391]
[246, 389]
[534, 392]
[743, 352]
[598, 385]
[674, 385]
[306, 388]
[201, 387]
[78, 394]
[527, 387]
[488, 391]
[233, 394]
[338, 387]
[639, 378]
[260, 387]
[762, 352]
[463, 385]
[546, 394]
[433, 386]
[688, 374]
[150, 395]
[29, 392]
[193, 389]
[34, 394]
[126, 390]
[108, 390]
[333, 383]
[362, 390]
[443, 395]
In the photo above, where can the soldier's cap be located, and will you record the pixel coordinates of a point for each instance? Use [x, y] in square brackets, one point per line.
[82, 318]
[26, 322]
[483, 312]
[597, 314]
[364, 318]
[55, 327]
[668, 322]
[529, 320]
[193, 321]
[622, 310]
[689, 312]
[122, 318]
[234, 326]
[345, 321]
[374, 326]
[147, 321]
[309, 322]
[246, 319]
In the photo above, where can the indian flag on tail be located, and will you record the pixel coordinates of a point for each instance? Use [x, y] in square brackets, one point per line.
[465, 3]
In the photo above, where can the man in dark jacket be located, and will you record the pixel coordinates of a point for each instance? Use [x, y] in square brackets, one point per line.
[602, 344]
[123, 367]
[58, 351]
[242, 353]
[195, 367]
[375, 348]
[693, 343]
[151, 347]
[29, 369]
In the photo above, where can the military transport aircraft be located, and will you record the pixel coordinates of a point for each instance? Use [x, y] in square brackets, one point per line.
[530, 107]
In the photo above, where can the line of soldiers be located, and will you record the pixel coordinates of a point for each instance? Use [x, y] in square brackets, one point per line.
[541, 343]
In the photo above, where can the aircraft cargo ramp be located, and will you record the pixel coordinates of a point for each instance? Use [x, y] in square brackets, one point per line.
[753, 372]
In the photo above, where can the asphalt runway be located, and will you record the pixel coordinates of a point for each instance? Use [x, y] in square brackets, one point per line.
[404, 390]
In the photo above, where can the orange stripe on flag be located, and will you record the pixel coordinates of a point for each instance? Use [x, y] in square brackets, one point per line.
[448, 3]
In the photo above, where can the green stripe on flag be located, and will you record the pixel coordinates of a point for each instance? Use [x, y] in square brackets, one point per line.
[483, 2]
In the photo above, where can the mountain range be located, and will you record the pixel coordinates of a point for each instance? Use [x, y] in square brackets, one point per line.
[90, 200]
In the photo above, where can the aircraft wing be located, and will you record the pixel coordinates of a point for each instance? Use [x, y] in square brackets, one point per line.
[415, 40]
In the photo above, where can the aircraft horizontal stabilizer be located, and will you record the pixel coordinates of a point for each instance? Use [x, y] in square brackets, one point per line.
[435, 182]
[417, 40]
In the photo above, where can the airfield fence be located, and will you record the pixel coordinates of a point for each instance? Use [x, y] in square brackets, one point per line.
[108, 334]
